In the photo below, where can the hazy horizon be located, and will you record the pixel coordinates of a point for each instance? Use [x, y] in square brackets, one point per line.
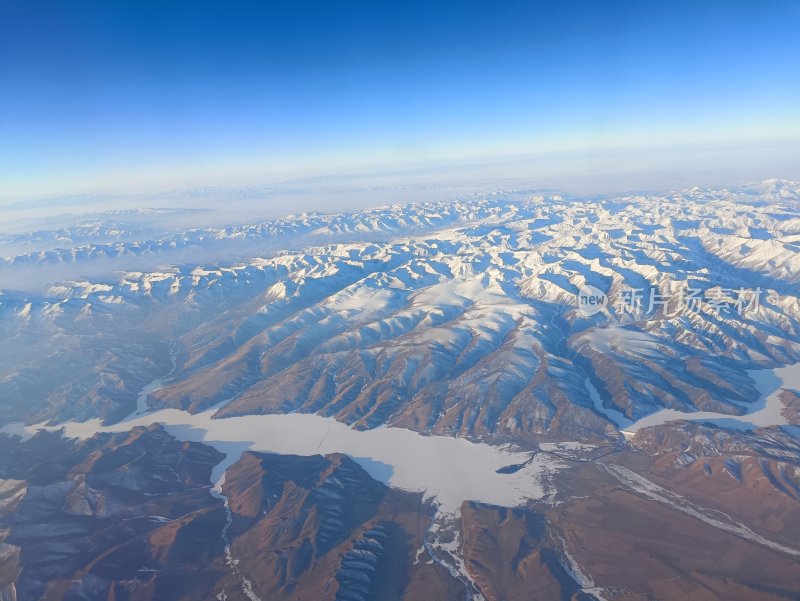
[587, 172]
[117, 98]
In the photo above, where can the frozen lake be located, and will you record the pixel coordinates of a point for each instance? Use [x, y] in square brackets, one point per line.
[448, 470]
[765, 412]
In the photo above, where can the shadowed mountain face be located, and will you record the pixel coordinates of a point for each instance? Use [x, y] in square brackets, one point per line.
[133, 517]
[120, 516]
[706, 513]
[321, 528]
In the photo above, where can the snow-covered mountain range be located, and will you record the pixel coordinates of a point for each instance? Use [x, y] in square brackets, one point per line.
[455, 319]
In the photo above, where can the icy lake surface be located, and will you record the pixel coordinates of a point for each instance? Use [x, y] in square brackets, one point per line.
[765, 412]
[449, 470]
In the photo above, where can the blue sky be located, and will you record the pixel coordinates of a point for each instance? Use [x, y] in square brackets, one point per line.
[115, 95]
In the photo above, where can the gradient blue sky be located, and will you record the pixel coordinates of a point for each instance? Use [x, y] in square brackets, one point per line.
[115, 95]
